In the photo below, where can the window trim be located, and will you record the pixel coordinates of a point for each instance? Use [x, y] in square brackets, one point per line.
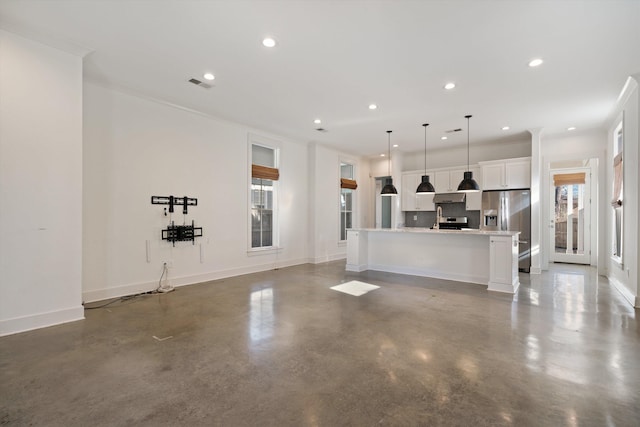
[276, 146]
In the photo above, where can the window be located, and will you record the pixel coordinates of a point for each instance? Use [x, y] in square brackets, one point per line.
[263, 189]
[347, 187]
[618, 192]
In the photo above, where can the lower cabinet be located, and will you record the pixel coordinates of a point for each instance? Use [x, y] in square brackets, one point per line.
[503, 265]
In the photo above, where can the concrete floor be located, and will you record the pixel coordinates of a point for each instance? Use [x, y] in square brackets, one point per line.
[281, 349]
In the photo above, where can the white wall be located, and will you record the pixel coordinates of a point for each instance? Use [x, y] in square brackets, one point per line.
[576, 146]
[324, 167]
[40, 185]
[135, 148]
[625, 276]
[445, 157]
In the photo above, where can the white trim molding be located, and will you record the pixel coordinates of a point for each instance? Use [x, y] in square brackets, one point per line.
[40, 320]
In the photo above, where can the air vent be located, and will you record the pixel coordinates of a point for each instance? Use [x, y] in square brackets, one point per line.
[200, 83]
[322, 130]
[453, 130]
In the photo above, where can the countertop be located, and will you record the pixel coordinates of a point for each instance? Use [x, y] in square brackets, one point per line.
[468, 231]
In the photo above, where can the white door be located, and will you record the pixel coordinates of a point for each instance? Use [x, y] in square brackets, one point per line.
[570, 219]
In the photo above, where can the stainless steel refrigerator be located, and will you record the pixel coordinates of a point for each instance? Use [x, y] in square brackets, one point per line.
[510, 211]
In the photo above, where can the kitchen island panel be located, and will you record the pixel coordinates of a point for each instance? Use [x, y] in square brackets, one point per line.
[465, 256]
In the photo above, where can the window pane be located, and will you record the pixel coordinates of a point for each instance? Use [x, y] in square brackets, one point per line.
[346, 170]
[263, 156]
[348, 195]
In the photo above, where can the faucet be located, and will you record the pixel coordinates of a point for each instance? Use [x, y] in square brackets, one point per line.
[438, 218]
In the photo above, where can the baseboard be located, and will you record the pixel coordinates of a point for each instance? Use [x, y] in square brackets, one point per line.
[134, 288]
[501, 287]
[329, 258]
[40, 320]
[625, 292]
[428, 273]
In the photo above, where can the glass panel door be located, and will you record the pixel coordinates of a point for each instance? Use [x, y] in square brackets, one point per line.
[570, 228]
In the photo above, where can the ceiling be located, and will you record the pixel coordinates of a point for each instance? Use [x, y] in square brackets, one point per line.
[334, 58]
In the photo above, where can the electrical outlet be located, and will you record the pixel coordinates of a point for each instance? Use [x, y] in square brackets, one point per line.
[415, 217]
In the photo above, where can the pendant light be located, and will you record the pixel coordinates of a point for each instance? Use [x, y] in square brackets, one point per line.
[389, 189]
[468, 184]
[425, 186]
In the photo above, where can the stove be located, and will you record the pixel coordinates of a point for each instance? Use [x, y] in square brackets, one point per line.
[453, 223]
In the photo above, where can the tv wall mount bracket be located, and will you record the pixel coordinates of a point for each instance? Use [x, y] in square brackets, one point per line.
[178, 233]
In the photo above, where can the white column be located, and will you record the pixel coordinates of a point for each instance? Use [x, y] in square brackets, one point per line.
[397, 217]
[536, 207]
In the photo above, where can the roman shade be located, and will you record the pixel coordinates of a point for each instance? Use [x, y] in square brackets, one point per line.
[265, 172]
[617, 181]
[348, 183]
[568, 179]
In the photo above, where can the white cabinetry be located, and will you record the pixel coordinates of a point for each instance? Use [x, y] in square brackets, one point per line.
[474, 201]
[411, 201]
[506, 174]
[503, 264]
[446, 181]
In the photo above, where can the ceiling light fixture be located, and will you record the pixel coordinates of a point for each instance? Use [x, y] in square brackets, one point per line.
[317, 121]
[449, 86]
[505, 128]
[389, 189]
[372, 106]
[425, 186]
[444, 138]
[268, 42]
[209, 76]
[395, 145]
[535, 62]
[571, 128]
[468, 184]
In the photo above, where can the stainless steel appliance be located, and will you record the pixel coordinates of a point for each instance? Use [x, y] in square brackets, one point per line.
[453, 223]
[510, 211]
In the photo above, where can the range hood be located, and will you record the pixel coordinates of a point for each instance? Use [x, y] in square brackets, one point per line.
[449, 198]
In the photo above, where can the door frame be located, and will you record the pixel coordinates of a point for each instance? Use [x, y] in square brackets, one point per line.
[585, 257]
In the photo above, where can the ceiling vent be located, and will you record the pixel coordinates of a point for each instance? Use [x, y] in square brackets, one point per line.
[200, 83]
[453, 130]
[322, 130]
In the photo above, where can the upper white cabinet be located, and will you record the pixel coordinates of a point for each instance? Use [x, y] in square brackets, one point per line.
[444, 181]
[411, 201]
[506, 174]
[447, 181]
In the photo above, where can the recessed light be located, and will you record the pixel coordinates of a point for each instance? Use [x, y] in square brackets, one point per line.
[449, 86]
[505, 128]
[382, 155]
[317, 121]
[443, 138]
[209, 76]
[268, 42]
[372, 106]
[571, 128]
[535, 62]
[395, 145]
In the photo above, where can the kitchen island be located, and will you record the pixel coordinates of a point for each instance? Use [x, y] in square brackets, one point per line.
[475, 256]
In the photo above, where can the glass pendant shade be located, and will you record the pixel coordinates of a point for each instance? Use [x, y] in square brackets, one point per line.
[389, 189]
[468, 184]
[425, 186]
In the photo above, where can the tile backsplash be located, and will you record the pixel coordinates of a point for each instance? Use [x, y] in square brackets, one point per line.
[428, 218]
